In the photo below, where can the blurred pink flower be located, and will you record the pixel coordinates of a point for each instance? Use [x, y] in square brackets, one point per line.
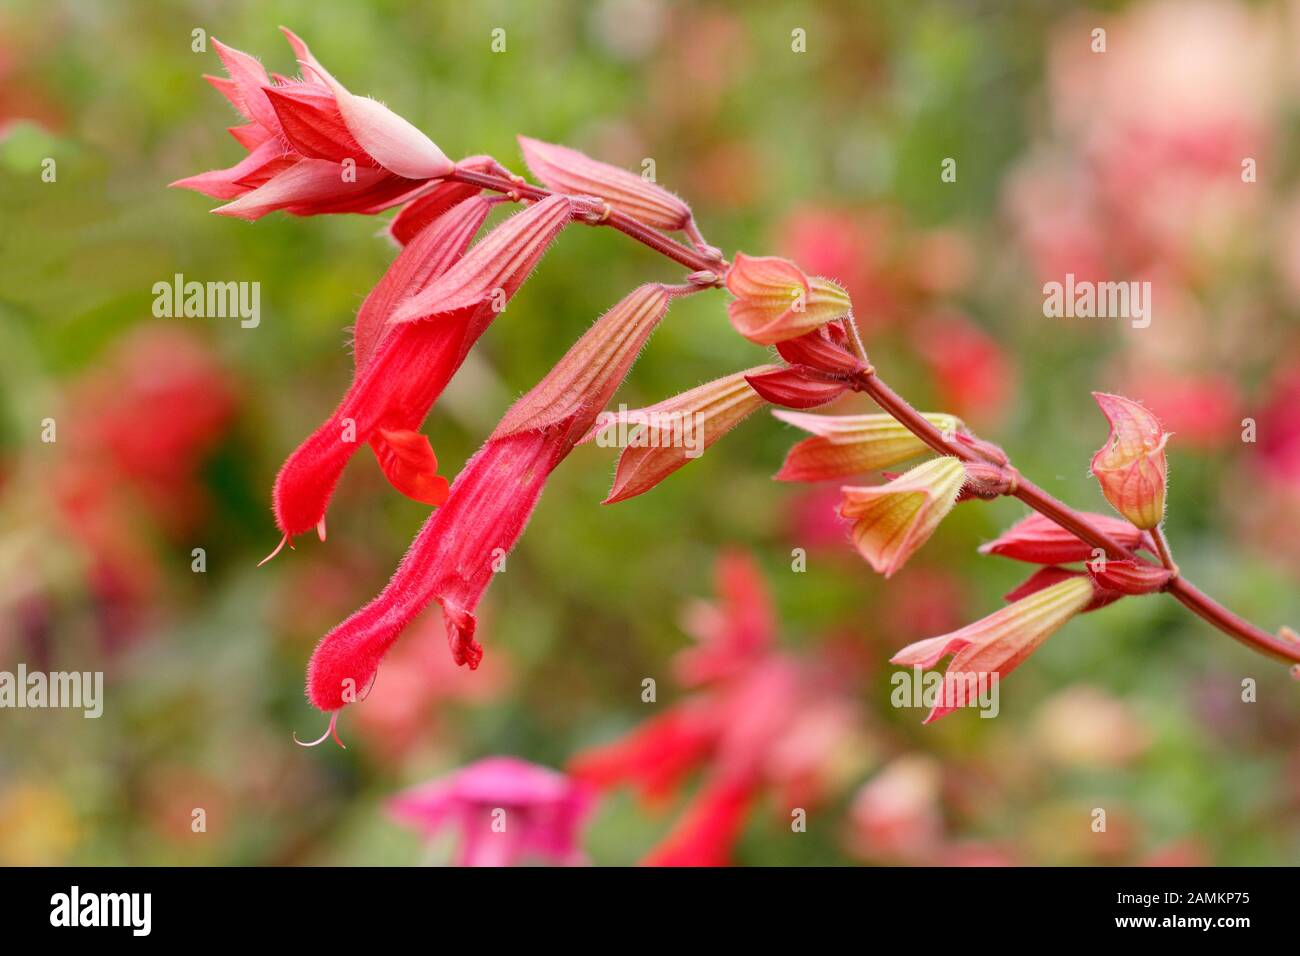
[972, 373]
[761, 721]
[508, 811]
[1184, 92]
[897, 817]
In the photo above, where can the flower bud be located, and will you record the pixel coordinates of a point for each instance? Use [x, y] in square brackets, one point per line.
[568, 171]
[775, 300]
[1131, 466]
[999, 643]
[891, 521]
[844, 445]
[794, 388]
[1130, 577]
[663, 437]
[824, 349]
[1040, 540]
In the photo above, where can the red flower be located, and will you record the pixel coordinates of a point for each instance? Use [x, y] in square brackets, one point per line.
[313, 147]
[441, 303]
[453, 558]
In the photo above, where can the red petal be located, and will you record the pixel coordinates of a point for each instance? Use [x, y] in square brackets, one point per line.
[408, 461]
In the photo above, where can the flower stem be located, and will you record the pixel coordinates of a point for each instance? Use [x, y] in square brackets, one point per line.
[1162, 548]
[656, 240]
[1045, 504]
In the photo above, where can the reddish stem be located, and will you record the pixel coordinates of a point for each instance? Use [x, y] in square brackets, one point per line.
[624, 223]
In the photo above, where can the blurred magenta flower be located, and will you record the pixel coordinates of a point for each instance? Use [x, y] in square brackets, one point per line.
[507, 811]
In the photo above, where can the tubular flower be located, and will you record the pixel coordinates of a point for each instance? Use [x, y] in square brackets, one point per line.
[660, 438]
[403, 368]
[891, 521]
[507, 811]
[775, 299]
[1000, 642]
[846, 445]
[1131, 466]
[453, 558]
[313, 147]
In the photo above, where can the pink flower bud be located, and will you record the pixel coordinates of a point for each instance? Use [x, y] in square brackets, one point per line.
[892, 521]
[999, 643]
[1040, 540]
[662, 438]
[776, 301]
[1130, 577]
[1131, 467]
[823, 348]
[845, 445]
[568, 171]
[794, 388]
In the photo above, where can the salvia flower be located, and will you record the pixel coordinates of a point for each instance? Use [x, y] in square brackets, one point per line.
[444, 302]
[1131, 466]
[314, 147]
[455, 555]
[891, 521]
[775, 299]
[661, 438]
[999, 643]
[568, 171]
[1040, 540]
[508, 811]
[844, 445]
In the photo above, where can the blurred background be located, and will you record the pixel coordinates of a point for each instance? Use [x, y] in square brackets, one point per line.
[1123, 164]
